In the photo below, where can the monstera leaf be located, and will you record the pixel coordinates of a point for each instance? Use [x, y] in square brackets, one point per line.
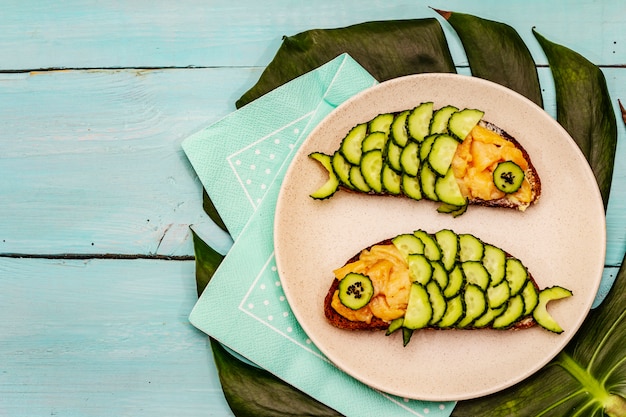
[584, 109]
[491, 47]
[589, 377]
[386, 49]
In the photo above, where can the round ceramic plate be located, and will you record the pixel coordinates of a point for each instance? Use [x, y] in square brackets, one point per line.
[561, 240]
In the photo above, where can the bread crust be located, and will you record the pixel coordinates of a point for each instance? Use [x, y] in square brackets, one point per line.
[376, 323]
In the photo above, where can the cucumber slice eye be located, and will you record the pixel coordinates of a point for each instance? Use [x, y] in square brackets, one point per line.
[355, 290]
[508, 177]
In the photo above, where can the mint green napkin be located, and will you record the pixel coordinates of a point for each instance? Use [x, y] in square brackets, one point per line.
[241, 161]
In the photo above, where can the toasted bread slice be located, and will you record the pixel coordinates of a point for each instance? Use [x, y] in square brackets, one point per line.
[454, 166]
[523, 293]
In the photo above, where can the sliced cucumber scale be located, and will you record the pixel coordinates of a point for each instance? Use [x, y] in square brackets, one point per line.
[471, 248]
[381, 123]
[514, 311]
[398, 133]
[449, 245]
[351, 145]
[439, 122]
[419, 311]
[463, 121]
[371, 169]
[408, 244]
[418, 121]
[441, 153]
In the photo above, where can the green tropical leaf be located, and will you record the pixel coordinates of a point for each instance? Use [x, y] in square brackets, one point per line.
[584, 109]
[496, 52]
[249, 390]
[254, 392]
[209, 208]
[207, 262]
[588, 378]
[386, 49]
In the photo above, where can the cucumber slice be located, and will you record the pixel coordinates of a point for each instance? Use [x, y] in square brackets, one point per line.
[448, 191]
[531, 297]
[516, 275]
[406, 336]
[392, 155]
[470, 248]
[494, 260]
[455, 309]
[439, 122]
[488, 317]
[351, 145]
[418, 121]
[409, 159]
[514, 311]
[408, 244]
[420, 269]
[391, 180]
[540, 313]
[476, 274]
[371, 169]
[357, 180]
[418, 310]
[463, 121]
[455, 211]
[475, 305]
[381, 123]
[456, 282]
[508, 177]
[439, 273]
[398, 132]
[355, 290]
[437, 301]
[331, 185]
[449, 244]
[374, 140]
[428, 179]
[498, 295]
[441, 153]
[431, 247]
[426, 146]
[411, 187]
[394, 325]
[342, 169]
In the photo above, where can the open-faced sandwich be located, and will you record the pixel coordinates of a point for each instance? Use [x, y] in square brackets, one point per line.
[442, 280]
[447, 155]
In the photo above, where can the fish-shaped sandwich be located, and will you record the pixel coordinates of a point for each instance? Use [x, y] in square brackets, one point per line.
[447, 155]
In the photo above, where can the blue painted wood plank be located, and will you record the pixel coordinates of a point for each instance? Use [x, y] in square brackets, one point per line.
[103, 338]
[94, 161]
[247, 33]
[91, 160]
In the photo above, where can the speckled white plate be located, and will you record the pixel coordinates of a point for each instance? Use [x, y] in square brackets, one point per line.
[561, 240]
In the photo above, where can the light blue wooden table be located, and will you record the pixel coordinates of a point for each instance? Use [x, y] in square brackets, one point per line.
[96, 258]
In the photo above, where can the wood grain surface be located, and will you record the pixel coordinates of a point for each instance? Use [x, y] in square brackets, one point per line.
[97, 197]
